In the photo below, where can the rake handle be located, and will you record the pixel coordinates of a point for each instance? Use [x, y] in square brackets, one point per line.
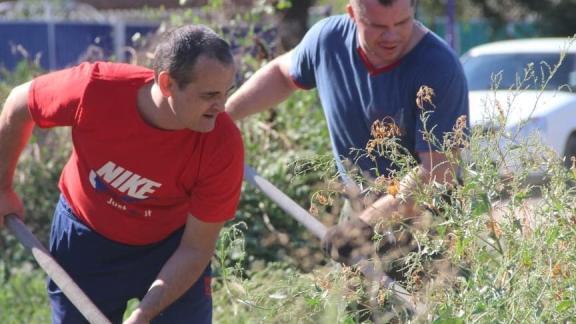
[76, 296]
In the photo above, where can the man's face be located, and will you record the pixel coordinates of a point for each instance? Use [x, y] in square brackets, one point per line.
[197, 105]
[384, 31]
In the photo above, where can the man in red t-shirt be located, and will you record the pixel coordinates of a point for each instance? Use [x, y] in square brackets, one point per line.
[155, 172]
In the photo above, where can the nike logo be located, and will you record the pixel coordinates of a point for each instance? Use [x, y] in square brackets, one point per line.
[125, 181]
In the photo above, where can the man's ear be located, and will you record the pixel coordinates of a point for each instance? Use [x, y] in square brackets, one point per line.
[165, 82]
[350, 11]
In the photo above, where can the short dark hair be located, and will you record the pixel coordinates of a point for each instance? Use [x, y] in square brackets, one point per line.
[179, 49]
[385, 3]
[389, 2]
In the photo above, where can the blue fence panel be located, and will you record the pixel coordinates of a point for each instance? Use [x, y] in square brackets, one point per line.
[32, 36]
[77, 42]
[73, 42]
[143, 30]
[62, 44]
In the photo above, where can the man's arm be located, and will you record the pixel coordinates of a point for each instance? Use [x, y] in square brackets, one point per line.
[269, 86]
[352, 240]
[16, 126]
[181, 271]
[434, 166]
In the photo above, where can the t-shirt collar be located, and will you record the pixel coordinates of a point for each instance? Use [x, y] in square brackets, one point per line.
[371, 68]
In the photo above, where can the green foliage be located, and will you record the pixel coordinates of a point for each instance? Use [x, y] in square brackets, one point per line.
[23, 72]
[556, 18]
[276, 292]
[507, 272]
[273, 141]
[23, 298]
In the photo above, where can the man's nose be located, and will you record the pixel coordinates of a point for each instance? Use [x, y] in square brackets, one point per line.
[219, 105]
[389, 35]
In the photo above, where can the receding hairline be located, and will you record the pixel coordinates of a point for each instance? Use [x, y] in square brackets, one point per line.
[385, 3]
[207, 56]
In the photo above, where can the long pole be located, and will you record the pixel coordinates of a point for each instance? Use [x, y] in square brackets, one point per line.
[51, 35]
[451, 23]
[368, 269]
[285, 202]
[55, 271]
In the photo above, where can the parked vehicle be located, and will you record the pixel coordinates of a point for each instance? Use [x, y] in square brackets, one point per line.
[523, 90]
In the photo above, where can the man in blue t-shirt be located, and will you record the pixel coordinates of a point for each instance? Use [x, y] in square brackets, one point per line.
[369, 66]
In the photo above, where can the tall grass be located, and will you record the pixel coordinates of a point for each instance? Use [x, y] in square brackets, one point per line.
[498, 249]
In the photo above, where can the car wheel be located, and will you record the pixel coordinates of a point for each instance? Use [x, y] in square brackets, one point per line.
[570, 150]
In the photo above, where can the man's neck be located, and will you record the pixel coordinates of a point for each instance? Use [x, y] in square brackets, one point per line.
[418, 33]
[151, 103]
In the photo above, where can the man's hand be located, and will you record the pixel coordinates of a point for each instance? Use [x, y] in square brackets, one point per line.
[181, 271]
[10, 203]
[434, 167]
[355, 240]
[137, 317]
[349, 242]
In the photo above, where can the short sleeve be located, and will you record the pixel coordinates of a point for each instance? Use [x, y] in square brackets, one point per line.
[450, 101]
[216, 193]
[305, 55]
[54, 98]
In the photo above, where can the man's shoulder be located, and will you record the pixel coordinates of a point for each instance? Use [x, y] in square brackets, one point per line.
[119, 71]
[224, 142]
[338, 25]
[332, 28]
[225, 123]
[433, 56]
[432, 48]
[336, 21]
[329, 35]
[226, 130]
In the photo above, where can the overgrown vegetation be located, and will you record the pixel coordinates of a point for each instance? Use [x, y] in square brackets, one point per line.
[515, 262]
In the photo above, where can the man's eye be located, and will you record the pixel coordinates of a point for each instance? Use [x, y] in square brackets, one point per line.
[208, 96]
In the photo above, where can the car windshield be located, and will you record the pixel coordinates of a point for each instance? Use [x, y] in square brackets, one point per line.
[505, 71]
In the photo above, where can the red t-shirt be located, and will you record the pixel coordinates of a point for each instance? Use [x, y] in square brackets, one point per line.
[127, 180]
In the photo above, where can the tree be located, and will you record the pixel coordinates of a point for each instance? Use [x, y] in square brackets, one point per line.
[555, 17]
[559, 19]
[293, 21]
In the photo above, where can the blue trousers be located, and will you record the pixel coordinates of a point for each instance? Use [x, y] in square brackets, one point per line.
[111, 273]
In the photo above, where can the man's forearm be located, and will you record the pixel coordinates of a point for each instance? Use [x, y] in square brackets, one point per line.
[179, 273]
[266, 88]
[400, 205]
[15, 129]
[181, 270]
[434, 168]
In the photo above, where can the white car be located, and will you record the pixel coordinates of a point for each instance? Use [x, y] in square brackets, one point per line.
[511, 90]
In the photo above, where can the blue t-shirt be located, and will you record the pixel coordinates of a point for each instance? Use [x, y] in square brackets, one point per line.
[354, 94]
